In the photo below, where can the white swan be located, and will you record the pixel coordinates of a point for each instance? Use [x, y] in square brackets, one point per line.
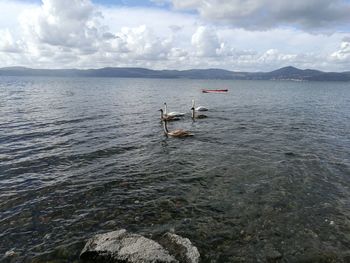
[173, 113]
[199, 108]
[197, 116]
[167, 117]
[175, 133]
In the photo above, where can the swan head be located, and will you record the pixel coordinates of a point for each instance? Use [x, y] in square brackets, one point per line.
[192, 108]
[161, 110]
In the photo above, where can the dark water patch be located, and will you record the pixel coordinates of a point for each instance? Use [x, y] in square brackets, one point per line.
[290, 154]
[32, 135]
[76, 120]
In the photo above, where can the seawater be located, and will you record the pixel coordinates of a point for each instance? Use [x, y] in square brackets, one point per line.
[265, 177]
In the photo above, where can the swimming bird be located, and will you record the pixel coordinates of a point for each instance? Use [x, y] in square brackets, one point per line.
[176, 133]
[164, 117]
[173, 113]
[199, 108]
[197, 116]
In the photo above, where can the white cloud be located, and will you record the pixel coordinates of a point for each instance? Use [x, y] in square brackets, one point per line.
[343, 54]
[10, 11]
[273, 55]
[206, 42]
[87, 35]
[263, 14]
[55, 24]
[7, 42]
[142, 43]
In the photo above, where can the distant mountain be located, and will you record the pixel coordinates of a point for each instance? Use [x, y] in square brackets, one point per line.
[286, 73]
[292, 73]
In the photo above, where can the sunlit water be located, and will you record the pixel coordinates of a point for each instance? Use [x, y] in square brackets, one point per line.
[265, 178]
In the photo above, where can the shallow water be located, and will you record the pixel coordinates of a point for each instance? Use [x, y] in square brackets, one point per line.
[265, 178]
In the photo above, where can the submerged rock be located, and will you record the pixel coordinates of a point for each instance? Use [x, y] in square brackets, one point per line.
[271, 253]
[121, 246]
[181, 248]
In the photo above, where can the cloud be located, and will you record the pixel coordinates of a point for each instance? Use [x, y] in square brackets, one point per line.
[205, 42]
[56, 25]
[7, 42]
[79, 31]
[87, 35]
[343, 54]
[175, 28]
[265, 14]
[10, 10]
[142, 43]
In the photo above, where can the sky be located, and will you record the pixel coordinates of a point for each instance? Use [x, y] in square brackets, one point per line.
[239, 35]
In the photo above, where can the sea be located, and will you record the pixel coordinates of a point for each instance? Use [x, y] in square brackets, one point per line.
[265, 178]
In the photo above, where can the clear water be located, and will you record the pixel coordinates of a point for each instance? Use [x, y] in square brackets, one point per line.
[265, 178]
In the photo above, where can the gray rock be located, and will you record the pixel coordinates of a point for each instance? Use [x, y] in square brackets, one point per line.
[123, 247]
[181, 248]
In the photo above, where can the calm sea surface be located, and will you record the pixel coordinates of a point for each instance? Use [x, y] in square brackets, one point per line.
[266, 176]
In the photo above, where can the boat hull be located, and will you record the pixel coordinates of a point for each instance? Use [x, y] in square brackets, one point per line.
[214, 90]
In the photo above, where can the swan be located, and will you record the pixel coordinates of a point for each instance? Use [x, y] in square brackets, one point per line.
[176, 133]
[197, 116]
[164, 117]
[173, 113]
[199, 108]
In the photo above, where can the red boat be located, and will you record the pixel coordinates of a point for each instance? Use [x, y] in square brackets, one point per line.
[214, 90]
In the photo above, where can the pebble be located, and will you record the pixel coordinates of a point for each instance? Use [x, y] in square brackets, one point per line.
[186, 221]
[10, 253]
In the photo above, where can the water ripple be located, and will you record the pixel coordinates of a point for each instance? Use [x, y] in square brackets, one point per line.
[84, 156]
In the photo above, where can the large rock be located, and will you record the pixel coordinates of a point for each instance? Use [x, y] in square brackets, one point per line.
[181, 248]
[123, 247]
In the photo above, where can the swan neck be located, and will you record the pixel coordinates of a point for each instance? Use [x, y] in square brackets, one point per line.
[165, 109]
[165, 127]
[193, 113]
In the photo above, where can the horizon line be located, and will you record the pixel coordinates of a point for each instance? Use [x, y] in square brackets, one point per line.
[131, 67]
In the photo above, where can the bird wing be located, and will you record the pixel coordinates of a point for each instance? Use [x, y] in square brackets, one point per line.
[175, 114]
[180, 133]
[201, 108]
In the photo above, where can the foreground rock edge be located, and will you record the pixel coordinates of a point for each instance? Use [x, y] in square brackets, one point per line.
[122, 246]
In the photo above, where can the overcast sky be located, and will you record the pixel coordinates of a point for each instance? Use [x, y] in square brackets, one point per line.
[243, 35]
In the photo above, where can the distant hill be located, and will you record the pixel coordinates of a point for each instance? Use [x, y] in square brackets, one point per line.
[286, 73]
